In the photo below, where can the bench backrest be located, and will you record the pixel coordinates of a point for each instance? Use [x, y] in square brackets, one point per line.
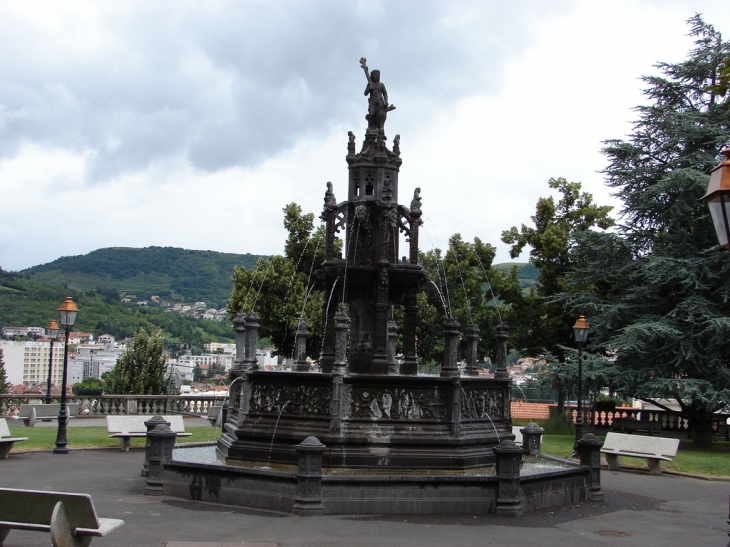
[35, 507]
[619, 442]
[4, 430]
[214, 410]
[48, 411]
[135, 424]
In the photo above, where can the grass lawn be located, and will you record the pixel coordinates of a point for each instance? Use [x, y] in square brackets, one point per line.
[715, 462]
[44, 438]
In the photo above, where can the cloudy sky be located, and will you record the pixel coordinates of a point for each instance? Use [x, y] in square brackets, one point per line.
[191, 124]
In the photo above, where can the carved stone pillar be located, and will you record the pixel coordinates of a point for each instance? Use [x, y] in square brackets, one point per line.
[531, 437]
[589, 450]
[341, 327]
[392, 342]
[300, 345]
[472, 340]
[327, 355]
[451, 346]
[410, 322]
[502, 336]
[413, 239]
[509, 456]
[161, 442]
[150, 425]
[380, 360]
[239, 325]
[308, 500]
[456, 394]
[252, 335]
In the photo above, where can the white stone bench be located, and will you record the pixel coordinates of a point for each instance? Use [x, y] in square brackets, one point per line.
[6, 441]
[29, 414]
[125, 428]
[655, 450]
[70, 518]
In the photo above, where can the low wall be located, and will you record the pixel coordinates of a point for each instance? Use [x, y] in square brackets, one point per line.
[531, 411]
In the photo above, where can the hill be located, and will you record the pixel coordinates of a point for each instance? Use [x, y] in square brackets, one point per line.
[29, 302]
[526, 272]
[177, 275]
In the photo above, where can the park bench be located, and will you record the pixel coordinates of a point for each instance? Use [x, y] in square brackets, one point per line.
[214, 415]
[6, 441]
[70, 518]
[29, 414]
[125, 428]
[655, 450]
[632, 425]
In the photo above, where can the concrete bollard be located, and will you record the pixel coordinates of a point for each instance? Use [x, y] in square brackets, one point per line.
[589, 450]
[509, 457]
[162, 441]
[308, 500]
[150, 425]
[531, 435]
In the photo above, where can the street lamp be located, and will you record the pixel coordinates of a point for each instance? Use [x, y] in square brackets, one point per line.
[68, 311]
[718, 199]
[52, 329]
[580, 330]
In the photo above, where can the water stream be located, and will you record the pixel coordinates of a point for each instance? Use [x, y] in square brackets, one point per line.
[271, 446]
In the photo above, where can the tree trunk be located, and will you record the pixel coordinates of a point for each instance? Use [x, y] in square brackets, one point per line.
[701, 427]
[561, 401]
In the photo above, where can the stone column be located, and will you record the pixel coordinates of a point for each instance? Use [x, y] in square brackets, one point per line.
[392, 342]
[161, 440]
[410, 322]
[414, 224]
[300, 346]
[252, 334]
[239, 325]
[509, 456]
[451, 346]
[531, 435]
[502, 336]
[150, 425]
[308, 500]
[341, 327]
[472, 340]
[589, 450]
[382, 306]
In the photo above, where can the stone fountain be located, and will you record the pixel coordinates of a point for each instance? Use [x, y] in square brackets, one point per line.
[378, 434]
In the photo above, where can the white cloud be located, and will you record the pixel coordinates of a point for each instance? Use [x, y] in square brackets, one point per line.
[193, 124]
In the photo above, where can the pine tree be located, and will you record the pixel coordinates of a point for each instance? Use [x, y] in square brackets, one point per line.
[140, 370]
[657, 290]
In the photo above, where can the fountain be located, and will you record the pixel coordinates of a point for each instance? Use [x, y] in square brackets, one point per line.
[380, 437]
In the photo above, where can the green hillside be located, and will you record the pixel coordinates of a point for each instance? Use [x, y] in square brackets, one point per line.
[29, 302]
[177, 275]
[526, 272]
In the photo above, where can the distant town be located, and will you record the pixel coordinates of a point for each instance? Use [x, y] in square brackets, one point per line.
[198, 310]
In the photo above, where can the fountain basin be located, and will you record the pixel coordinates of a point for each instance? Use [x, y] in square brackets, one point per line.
[197, 474]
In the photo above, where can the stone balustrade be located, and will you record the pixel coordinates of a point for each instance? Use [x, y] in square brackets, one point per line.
[115, 405]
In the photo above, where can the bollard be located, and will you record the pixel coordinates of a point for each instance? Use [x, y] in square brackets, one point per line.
[161, 440]
[589, 450]
[308, 500]
[531, 437]
[509, 457]
[150, 425]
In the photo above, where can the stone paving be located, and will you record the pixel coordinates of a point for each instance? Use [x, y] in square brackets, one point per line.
[640, 510]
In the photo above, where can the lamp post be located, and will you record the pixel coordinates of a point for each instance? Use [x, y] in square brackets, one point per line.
[580, 330]
[52, 329]
[718, 199]
[68, 311]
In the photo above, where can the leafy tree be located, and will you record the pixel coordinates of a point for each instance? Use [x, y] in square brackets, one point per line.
[657, 291]
[3, 375]
[283, 288]
[543, 323]
[140, 370]
[463, 281]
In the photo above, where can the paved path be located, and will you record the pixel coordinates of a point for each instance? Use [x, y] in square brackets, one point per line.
[640, 511]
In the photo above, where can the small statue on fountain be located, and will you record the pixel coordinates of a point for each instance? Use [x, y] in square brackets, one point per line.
[351, 143]
[416, 202]
[396, 146]
[329, 197]
[378, 106]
